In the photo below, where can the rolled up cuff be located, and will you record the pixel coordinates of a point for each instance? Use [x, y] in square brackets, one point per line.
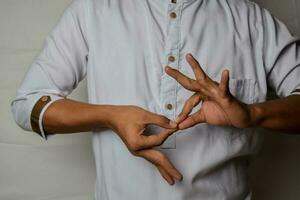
[296, 92]
[37, 113]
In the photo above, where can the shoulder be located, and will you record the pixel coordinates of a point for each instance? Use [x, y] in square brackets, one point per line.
[78, 7]
[247, 9]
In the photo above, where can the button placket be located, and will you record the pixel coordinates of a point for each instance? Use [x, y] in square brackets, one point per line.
[169, 85]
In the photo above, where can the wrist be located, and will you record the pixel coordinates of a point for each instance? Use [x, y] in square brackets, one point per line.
[256, 115]
[105, 116]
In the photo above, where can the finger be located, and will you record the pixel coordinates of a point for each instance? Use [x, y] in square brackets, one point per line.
[224, 84]
[196, 67]
[192, 120]
[193, 101]
[160, 120]
[149, 141]
[151, 157]
[185, 81]
[165, 175]
[159, 159]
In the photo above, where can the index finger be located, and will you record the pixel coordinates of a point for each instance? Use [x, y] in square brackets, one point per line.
[149, 141]
[160, 120]
[196, 67]
[185, 81]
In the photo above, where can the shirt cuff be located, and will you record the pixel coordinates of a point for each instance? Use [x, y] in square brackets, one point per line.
[296, 92]
[37, 114]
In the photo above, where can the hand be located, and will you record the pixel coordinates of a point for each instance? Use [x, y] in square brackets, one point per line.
[130, 122]
[219, 107]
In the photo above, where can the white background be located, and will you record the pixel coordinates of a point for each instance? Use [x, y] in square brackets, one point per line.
[62, 168]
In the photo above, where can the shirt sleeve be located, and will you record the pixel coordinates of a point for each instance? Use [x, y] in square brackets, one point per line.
[281, 55]
[55, 72]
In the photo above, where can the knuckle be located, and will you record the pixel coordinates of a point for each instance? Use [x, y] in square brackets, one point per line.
[215, 91]
[223, 94]
[205, 98]
[194, 119]
[226, 100]
[197, 98]
[159, 141]
[160, 158]
[205, 78]
[133, 145]
[202, 90]
[201, 80]
[162, 118]
[189, 81]
[144, 116]
[198, 86]
[155, 159]
[135, 153]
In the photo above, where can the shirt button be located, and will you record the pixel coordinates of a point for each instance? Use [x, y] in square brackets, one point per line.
[169, 106]
[173, 15]
[171, 58]
[45, 98]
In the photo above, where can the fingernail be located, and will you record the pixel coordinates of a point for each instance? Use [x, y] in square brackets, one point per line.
[171, 183]
[179, 177]
[173, 124]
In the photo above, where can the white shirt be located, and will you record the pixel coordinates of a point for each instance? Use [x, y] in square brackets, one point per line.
[122, 47]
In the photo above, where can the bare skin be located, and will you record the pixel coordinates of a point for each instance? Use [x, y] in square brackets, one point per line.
[219, 107]
[129, 122]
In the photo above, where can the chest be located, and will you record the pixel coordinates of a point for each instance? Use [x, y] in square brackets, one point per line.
[132, 42]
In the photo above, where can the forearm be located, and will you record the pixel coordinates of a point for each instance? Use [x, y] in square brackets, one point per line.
[69, 116]
[279, 115]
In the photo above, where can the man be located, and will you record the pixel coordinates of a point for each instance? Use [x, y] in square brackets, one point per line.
[142, 64]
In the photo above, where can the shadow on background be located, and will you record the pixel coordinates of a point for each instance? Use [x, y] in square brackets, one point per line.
[275, 172]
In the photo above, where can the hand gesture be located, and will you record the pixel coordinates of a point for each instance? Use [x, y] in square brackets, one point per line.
[130, 122]
[219, 107]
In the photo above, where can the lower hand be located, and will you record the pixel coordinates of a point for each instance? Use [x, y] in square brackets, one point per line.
[130, 122]
[219, 107]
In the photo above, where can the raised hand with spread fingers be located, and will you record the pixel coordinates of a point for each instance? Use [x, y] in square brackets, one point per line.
[219, 106]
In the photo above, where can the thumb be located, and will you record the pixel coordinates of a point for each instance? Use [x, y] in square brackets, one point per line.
[161, 121]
